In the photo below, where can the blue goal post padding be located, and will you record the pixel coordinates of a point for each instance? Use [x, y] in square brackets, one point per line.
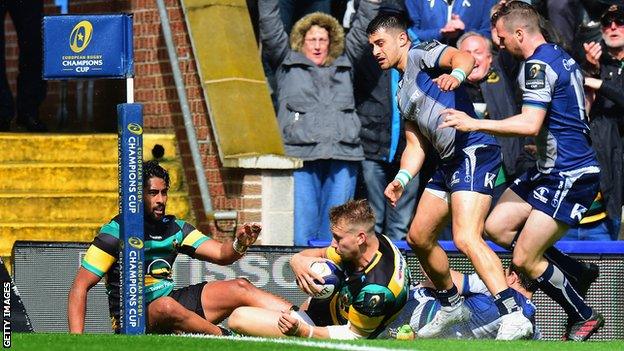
[130, 129]
[569, 247]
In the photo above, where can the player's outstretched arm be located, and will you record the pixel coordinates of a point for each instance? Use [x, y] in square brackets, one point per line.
[527, 123]
[229, 251]
[411, 162]
[77, 299]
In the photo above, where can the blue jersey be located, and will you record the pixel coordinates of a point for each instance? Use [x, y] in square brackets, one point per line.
[420, 101]
[484, 320]
[550, 79]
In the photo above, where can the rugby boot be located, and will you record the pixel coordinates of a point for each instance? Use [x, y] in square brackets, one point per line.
[514, 326]
[444, 319]
[582, 330]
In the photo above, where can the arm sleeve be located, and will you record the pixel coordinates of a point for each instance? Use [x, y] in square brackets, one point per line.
[192, 239]
[356, 42]
[272, 34]
[103, 252]
[427, 54]
[612, 90]
[537, 81]
[370, 308]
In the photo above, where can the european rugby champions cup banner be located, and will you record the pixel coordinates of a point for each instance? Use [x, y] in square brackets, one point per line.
[87, 46]
[100, 46]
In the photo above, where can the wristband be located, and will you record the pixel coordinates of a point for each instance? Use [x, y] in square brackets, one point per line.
[238, 247]
[459, 74]
[311, 332]
[403, 177]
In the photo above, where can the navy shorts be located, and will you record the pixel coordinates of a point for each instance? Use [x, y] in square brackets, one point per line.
[564, 196]
[475, 169]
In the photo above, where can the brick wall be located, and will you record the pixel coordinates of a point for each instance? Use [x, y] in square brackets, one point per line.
[230, 189]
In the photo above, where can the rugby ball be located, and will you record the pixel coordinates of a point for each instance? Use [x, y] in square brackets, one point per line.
[332, 274]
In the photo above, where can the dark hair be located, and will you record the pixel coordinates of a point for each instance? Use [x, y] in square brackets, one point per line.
[151, 169]
[354, 212]
[525, 282]
[386, 20]
[516, 12]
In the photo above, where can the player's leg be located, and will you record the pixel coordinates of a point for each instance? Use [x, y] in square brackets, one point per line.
[540, 232]
[166, 315]
[431, 216]
[255, 321]
[507, 219]
[220, 298]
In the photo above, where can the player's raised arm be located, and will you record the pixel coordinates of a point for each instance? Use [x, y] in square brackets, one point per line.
[459, 62]
[229, 251]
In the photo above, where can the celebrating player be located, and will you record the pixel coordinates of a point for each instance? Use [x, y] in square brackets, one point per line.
[374, 290]
[538, 208]
[461, 185]
[193, 309]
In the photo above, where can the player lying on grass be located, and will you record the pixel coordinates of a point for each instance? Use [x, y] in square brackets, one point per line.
[485, 317]
[193, 309]
[374, 290]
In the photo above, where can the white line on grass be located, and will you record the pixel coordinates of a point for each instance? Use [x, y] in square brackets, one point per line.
[293, 341]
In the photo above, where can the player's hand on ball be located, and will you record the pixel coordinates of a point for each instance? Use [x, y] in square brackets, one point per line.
[305, 276]
[248, 233]
[393, 192]
[458, 120]
[447, 82]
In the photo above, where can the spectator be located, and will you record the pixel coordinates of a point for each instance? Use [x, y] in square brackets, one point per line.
[607, 110]
[316, 110]
[446, 20]
[383, 140]
[31, 88]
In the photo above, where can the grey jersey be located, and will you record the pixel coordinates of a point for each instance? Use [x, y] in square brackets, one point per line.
[421, 101]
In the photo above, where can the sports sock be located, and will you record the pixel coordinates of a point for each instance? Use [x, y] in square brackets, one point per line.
[505, 302]
[448, 297]
[557, 287]
[571, 268]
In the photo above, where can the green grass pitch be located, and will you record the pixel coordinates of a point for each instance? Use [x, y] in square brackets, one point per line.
[66, 342]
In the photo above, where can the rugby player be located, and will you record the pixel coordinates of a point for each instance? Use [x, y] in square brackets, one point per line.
[484, 319]
[193, 309]
[463, 182]
[540, 206]
[374, 290]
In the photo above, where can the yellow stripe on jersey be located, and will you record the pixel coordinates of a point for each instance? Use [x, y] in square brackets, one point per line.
[363, 323]
[376, 260]
[332, 309]
[397, 282]
[594, 218]
[331, 254]
[98, 259]
[149, 280]
[194, 238]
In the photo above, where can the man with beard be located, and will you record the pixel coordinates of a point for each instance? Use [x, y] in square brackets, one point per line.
[193, 309]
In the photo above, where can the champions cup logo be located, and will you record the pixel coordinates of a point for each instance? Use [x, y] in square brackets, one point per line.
[80, 36]
[535, 69]
[135, 128]
[135, 242]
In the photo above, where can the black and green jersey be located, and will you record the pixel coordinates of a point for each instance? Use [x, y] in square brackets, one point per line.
[371, 298]
[163, 241]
